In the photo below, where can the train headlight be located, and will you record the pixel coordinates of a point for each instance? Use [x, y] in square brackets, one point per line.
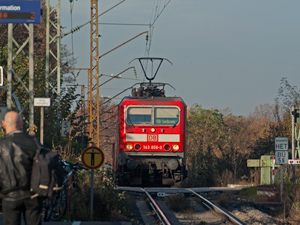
[152, 130]
[129, 147]
[175, 147]
[167, 147]
[137, 147]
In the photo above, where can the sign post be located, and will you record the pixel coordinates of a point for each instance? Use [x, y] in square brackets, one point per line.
[41, 102]
[281, 157]
[92, 158]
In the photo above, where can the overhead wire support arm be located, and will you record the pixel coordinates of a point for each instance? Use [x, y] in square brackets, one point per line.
[105, 75]
[127, 24]
[116, 76]
[78, 27]
[115, 96]
[125, 43]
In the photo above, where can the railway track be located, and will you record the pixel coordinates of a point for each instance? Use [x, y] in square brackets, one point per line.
[205, 212]
[227, 216]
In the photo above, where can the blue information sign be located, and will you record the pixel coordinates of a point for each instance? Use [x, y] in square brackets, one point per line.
[20, 11]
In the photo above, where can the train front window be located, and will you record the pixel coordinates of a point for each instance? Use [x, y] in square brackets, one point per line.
[139, 115]
[166, 116]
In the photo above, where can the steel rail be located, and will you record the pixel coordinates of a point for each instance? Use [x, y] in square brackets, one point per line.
[218, 210]
[156, 209]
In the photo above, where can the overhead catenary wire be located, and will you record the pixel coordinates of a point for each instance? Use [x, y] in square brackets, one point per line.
[156, 12]
[124, 43]
[155, 15]
[112, 116]
[159, 13]
[79, 27]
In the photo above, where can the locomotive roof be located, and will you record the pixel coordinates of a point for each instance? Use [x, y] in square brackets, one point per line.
[152, 98]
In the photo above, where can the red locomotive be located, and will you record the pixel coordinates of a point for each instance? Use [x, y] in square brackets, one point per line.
[151, 135]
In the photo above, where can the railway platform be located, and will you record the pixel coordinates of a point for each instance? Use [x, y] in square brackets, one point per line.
[75, 222]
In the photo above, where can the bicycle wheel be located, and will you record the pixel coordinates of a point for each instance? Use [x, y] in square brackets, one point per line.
[59, 208]
[49, 207]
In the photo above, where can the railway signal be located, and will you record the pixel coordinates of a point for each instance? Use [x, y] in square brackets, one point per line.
[92, 158]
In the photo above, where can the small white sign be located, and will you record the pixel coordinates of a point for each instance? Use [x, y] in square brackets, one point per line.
[281, 157]
[42, 102]
[281, 143]
[65, 128]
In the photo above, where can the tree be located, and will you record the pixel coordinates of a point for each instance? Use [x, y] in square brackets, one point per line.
[237, 144]
[205, 135]
[68, 97]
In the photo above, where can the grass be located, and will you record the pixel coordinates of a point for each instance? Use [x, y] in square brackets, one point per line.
[263, 193]
[249, 192]
[291, 198]
[222, 200]
[178, 203]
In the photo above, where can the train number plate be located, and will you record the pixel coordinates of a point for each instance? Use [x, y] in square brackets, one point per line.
[152, 137]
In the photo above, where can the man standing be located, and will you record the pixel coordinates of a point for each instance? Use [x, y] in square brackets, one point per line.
[17, 150]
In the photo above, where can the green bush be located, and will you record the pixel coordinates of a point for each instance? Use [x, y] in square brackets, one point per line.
[109, 204]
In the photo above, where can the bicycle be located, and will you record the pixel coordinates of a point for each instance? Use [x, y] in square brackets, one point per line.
[57, 205]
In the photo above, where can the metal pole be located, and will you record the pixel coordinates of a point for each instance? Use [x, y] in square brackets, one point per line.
[94, 76]
[281, 182]
[293, 132]
[58, 64]
[31, 76]
[92, 195]
[58, 48]
[42, 126]
[47, 48]
[9, 66]
[293, 142]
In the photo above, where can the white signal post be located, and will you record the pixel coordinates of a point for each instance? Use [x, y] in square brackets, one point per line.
[273, 170]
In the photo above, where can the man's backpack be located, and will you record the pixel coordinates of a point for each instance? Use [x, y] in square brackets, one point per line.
[47, 172]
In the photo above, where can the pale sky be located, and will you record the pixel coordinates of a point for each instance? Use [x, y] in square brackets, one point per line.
[225, 53]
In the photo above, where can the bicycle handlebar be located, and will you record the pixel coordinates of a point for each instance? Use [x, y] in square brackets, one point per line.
[76, 166]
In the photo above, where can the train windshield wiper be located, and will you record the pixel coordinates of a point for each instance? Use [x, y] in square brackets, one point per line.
[131, 123]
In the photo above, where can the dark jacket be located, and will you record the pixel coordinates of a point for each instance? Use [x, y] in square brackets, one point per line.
[17, 150]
